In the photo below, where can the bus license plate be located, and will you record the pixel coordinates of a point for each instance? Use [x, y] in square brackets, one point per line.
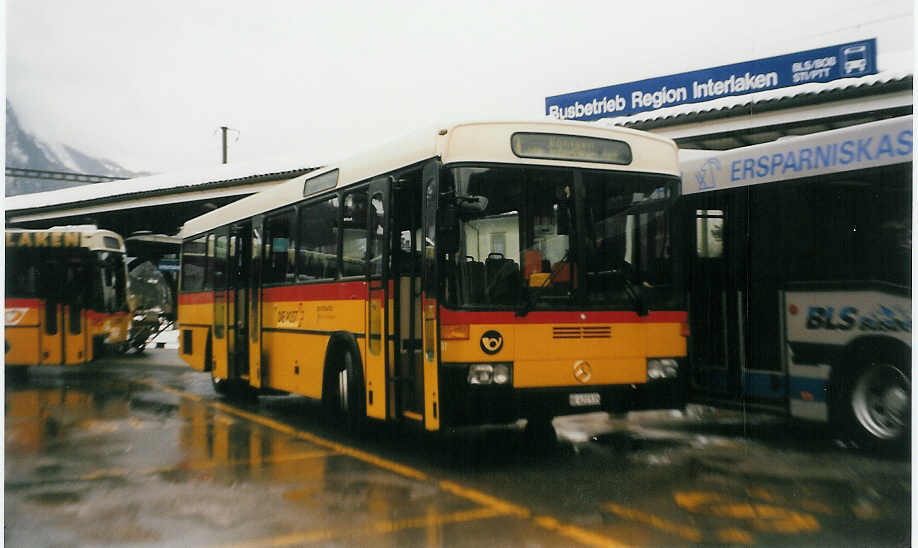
[584, 400]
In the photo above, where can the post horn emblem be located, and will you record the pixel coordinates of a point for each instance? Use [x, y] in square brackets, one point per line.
[491, 342]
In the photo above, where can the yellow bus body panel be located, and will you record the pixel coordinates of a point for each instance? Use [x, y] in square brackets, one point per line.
[295, 338]
[542, 360]
[196, 318]
[23, 344]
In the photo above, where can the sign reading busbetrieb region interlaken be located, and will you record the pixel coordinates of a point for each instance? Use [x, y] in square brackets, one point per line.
[816, 65]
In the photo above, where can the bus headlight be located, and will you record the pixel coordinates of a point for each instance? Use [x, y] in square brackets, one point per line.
[662, 368]
[486, 373]
[501, 373]
[481, 373]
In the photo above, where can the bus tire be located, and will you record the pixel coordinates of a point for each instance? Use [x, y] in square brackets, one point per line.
[539, 432]
[16, 374]
[221, 386]
[344, 388]
[875, 406]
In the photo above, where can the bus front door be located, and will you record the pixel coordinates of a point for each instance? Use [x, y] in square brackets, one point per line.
[380, 378]
[238, 273]
[63, 338]
[717, 293]
[52, 336]
[74, 333]
[258, 374]
[406, 265]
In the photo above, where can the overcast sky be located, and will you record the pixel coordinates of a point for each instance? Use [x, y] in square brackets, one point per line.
[147, 84]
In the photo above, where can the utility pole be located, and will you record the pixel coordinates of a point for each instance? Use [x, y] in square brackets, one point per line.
[224, 129]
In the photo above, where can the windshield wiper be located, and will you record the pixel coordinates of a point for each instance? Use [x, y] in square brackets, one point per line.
[636, 295]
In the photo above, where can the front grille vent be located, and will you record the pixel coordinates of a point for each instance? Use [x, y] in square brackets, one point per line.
[581, 332]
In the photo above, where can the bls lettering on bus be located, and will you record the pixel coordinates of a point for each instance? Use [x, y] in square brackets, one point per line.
[848, 317]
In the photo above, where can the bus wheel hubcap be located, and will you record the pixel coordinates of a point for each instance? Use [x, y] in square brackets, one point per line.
[880, 400]
[342, 386]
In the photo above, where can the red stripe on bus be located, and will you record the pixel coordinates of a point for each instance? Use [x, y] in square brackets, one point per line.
[450, 317]
[201, 297]
[333, 291]
[22, 303]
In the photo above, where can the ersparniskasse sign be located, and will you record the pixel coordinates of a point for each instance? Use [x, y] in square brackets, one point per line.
[816, 65]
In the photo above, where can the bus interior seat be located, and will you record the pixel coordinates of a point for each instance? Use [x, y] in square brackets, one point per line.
[474, 291]
[503, 279]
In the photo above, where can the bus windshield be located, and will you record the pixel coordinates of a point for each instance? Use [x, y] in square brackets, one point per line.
[549, 238]
[94, 279]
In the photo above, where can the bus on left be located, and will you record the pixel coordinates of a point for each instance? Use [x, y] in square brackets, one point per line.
[66, 295]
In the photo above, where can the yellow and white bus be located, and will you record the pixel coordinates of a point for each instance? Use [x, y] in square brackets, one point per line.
[478, 273]
[66, 295]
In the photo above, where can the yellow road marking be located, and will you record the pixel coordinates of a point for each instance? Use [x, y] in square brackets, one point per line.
[656, 522]
[493, 504]
[484, 499]
[735, 536]
[764, 517]
[374, 528]
[583, 536]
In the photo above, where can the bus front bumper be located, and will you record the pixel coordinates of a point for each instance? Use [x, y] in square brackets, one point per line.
[464, 404]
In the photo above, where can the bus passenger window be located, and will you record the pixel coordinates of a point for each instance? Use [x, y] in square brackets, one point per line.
[279, 256]
[377, 235]
[354, 234]
[317, 254]
[709, 230]
[194, 262]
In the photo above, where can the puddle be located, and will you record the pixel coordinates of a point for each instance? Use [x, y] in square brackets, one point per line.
[628, 441]
[55, 498]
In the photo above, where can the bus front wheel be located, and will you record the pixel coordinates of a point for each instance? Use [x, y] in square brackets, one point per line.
[346, 390]
[877, 405]
[221, 386]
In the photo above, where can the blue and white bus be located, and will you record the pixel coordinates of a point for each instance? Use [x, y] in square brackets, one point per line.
[800, 278]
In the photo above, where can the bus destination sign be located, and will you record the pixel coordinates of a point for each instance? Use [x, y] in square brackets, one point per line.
[575, 148]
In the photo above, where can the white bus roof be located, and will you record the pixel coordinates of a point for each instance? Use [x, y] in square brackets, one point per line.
[875, 144]
[467, 142]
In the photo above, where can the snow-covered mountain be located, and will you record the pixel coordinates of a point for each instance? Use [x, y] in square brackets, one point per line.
[24, 150]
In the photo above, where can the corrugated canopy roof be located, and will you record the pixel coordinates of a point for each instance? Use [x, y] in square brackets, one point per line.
[166, 183]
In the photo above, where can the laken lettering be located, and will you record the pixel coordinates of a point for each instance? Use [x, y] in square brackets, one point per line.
[883, 318]
[43, 239]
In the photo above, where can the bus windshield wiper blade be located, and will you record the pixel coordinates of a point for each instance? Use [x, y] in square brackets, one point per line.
[636, 295]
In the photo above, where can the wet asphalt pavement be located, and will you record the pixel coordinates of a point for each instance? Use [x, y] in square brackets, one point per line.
[139, 451]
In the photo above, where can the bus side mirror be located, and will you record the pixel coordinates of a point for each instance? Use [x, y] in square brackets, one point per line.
[448, 229]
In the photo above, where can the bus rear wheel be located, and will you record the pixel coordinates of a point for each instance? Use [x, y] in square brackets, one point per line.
[878, 406]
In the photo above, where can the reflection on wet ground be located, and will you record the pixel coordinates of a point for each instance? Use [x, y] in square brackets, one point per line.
[144, 453]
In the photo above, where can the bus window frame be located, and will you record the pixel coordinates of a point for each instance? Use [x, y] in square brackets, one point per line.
[304, 206]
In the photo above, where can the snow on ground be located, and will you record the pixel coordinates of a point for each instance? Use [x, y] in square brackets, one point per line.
[168, 337]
